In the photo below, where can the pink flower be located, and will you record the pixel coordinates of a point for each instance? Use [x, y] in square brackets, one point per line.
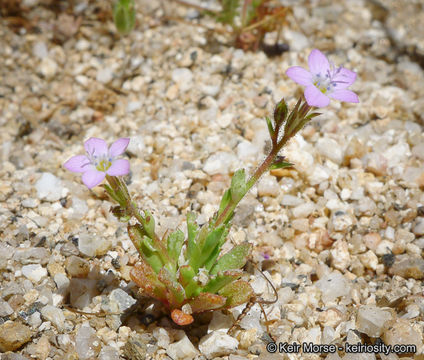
[100, 161]
[323, 81]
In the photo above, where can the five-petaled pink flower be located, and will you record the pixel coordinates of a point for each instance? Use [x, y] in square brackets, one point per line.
[99, 161]
[323, 81]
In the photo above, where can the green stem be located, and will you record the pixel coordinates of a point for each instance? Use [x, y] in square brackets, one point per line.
[276, 147]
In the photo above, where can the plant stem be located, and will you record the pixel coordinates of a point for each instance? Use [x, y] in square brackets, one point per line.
[262, 168]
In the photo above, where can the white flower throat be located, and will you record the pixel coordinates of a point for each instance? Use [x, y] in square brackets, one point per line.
[326, 83]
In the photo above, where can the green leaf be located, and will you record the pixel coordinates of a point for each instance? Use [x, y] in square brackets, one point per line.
[176, 293]
[237, 293]
[280, 165]
[144, 276]
[213, 240]
[174, 244]
[206, 301]
[280, 112]
[226, 198]
[149, 224]
[187, 281]
[238, 185]
[124, 15]
[151, 254]
[228, 12]
[111, 193]
[234, 259]
[193, 252]
[270, 127]
[221, 280]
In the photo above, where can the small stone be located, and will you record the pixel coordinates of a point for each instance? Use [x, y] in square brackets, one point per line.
[162, 337]
[330, 318]
[91, 245]
[109, 353]
[41, 349]
[38, 255]
[79, 206]
[340, 256]
[330, 149]
[34, 272]
[87, 344]
[182, 349]
[122, 299]
[49, 187]
[333, 286]
[104, 75]
[418, 227]
[217, 344]
[62, 282]
[55, 268]
[55, 315]
[219, 163]
[35, 320]
[134, 106]
[268, 186]
[225, 120]
[5, 309]
[290, 200]
[39, 49]
[30, 203]
[247, 150]
[48, 68]
[303, 210]
[340, 221]
[77, 267]
[407, 267]
[183, 77]
[369, 260]
[13, 335]
[371, 320]
[401, 332]
[372, 240]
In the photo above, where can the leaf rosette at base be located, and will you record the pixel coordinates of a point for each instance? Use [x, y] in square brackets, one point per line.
[190, 276]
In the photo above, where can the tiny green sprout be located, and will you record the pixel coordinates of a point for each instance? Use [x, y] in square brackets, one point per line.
[124, 16]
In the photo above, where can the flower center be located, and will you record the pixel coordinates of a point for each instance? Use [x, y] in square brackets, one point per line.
[101, 162]
[327, 83]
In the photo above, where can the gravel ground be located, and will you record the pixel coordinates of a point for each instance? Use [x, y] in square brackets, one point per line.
[341, 236]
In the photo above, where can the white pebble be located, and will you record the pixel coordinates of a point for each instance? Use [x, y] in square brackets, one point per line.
[48, 68]
[219, 163]
[86, 342]
[104, 75]
[371, 319]
[217, 344]
[49, 187]
[34, 272]
[123, 300]
[303, 210]
[330, 149]
[55, 315]
[40, 50]
[182, 349]
[183, 77]
[332, 286]
[92, 245]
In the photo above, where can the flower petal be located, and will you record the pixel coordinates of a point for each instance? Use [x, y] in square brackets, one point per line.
[93, 177]
[344, 78]
[299, 75]
[318, 63]
[314, 97]
[118, 147]
[119, 167]
[96, 147]
[77, 163]
[344, 95]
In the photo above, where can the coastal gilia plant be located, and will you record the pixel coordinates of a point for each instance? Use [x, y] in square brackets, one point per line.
[190, 274]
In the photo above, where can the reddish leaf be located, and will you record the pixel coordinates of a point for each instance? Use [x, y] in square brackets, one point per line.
[181, 318]
[206, 301]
